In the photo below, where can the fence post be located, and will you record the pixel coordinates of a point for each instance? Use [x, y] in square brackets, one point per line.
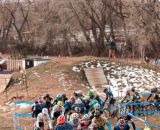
[6, 88]
[14, 116]
[25, 74]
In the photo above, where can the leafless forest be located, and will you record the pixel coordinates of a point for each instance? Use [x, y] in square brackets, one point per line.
[79, 27]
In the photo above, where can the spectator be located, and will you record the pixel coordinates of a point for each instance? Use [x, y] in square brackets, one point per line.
[112, 47]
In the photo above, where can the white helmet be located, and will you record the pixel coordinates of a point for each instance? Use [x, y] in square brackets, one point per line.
[128, 89]
[78, 101]
[152, 87]
[45, 111]
[97, 106]
[74, 116]
[86, 98]
[79, 92]
[85, 117]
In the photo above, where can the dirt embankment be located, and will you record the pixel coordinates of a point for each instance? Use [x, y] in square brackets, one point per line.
[54, 77]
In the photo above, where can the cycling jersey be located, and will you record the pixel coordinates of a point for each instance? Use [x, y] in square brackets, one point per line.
[126, 127]
[100, 122]
[57, 111]
[82, 126]
[75, 123]
[41, 119]
[65, 126]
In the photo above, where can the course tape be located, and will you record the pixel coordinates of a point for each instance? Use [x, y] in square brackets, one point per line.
[145, 122]
[145, 94]
[22, 114]
[146, 112]
[28, 103]
[108, 125]
[142, 103]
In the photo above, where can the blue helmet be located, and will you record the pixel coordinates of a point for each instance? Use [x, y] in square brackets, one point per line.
[59, 96]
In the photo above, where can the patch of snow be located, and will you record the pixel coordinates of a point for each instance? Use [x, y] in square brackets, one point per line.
[139, 76]
[75, 69]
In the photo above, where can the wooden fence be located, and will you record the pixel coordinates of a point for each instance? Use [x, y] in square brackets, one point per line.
[14, 65]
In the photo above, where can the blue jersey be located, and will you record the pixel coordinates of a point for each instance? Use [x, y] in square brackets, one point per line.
[66, 126]
[67, 104]
[126, 127]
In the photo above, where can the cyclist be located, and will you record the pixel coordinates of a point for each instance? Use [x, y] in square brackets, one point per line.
[58, 98]
[86, 102]
[122, 125]
[47, 102]
[91, 105]
[79, 103]
[74, 120]
[101, 103]
[64, 98]
[80, 94]
[62, 124]
[154, 96]
[42, 118]
[57, 110]
[38, 108]
[128, 119]
[91, 94]
[85, 123]
[133, 96]
[41, 126]
[111, 104]
[68, 104]
[78, 110]
[98, 122]
[96, 109]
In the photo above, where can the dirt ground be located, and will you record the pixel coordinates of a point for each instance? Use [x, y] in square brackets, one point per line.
[54, 77]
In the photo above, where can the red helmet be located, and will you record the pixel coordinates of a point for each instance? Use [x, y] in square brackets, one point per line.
[40, 101]
[72, 99]
[61, 119]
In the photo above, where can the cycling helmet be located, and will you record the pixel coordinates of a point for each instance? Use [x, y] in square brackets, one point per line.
[153, 89]
[59, 103]
[93, 102]
[37, 128]
[96, 106]
[78, 101]
[64, 96]
[121, 122]
[79, 92]
[105, 90]
[45, 111]
[128, 89]
[59, 96]
[72, 99]
[61, 119]
[74, 116]
[40, 101]
[77, 109]
[156, 89]
[147, 128]
[133, 88]
[86, 98]
[85, 117]
[97, 114]
[90, 93]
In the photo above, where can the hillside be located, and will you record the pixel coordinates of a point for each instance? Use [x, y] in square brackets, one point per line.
[65, 75]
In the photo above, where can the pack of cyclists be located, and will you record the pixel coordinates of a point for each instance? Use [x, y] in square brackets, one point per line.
[86, 112]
